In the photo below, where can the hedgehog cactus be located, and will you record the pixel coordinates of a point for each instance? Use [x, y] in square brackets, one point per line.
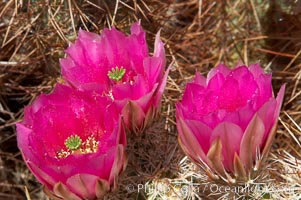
[122, 69]
[73, 142]
[227, 121]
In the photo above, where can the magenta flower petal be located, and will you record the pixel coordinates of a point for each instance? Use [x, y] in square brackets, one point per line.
[193, 92]
[230, 136]
[279, 100]
[143, 102]
[70, 138]
[83, 184]
[241, 116]
[220, 69]
[61, 191]
[251, 141]
[194, 136]
[247, 84]
[119, 163]
[161, 87]
[229, 96]
[137, 48]
[200, 79]
[239, 106]
[133, 116]
[114, 44]
[77, 53]
[137, 29]
[159, 51]
[90, 43]
[265, 89]
[256, 70]
[201, 132]
[189, 142]
[133, 92]
[42, 176]
[122, 65]
[99, 164]
[216, 82]
[30, 159]
[153, 69]
[266, 114]
[23, 139]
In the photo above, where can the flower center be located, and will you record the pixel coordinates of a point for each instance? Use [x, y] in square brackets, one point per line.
[73, 142]
[116, 73]
[74, 145]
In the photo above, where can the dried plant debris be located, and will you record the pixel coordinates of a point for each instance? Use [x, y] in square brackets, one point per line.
[197, 35]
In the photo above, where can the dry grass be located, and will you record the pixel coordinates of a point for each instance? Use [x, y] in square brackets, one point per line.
[198, 35]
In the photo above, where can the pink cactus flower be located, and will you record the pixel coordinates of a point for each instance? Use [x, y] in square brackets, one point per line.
[73, 142]
[123, 70]
[226, 122]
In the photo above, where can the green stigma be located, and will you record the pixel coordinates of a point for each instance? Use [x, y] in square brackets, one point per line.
[116, 73]
[73, 142]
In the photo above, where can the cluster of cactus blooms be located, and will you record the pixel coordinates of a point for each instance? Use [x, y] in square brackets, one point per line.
[74, 139]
